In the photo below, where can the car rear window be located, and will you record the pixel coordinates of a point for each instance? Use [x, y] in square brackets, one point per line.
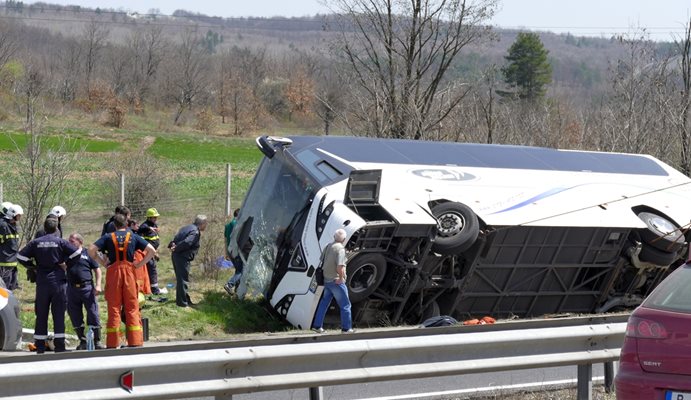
[674, 293]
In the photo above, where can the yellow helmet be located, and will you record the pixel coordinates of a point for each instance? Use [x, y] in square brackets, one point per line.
[152, 212]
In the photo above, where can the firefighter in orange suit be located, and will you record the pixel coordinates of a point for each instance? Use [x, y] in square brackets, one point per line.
[121, 285]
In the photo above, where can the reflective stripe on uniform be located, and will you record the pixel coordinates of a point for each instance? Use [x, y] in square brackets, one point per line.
[112, 330]
[8, 264]
[151, 237]
[134, 328]
[40, 337]
[75, 254]
[59, 336]
[23, 258]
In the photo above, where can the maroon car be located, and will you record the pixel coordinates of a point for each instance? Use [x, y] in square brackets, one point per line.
[655, 361]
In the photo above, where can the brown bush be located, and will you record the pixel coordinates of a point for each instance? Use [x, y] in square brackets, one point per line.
[117, 113]
[205, 121]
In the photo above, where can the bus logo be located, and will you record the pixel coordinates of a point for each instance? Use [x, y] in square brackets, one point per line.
[443, 174]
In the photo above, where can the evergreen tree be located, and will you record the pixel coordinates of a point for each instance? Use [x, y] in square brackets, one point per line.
[528, 71]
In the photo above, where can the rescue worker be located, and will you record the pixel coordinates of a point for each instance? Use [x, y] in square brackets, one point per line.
[57, 212]
[149, 231]
[121, 285]
[141, 275]
[109, 226]
[83, 285]
[9, 245]
[183, 248]
[50, 255]
[234, 281]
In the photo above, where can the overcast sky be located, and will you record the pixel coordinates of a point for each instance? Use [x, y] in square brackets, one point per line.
[662, 18]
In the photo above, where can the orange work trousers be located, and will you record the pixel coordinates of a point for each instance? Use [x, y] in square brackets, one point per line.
[142, 274]
[121, 290]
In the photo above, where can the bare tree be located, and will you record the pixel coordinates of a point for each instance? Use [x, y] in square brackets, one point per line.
[94, 39]
[187, 77]
[147, 48]
[43, 168]
[9, 45]
[400, 52]
[684, 119]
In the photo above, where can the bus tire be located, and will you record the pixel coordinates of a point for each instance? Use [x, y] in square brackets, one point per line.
[655, 234]
[365, 273]
[457, 228]
[656, 256]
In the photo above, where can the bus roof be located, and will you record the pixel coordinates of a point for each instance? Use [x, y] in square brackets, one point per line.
[416, 152]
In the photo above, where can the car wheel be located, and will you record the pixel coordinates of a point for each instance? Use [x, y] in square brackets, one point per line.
[656, 256]
[457, 228]
[365, 273]
[661, 233]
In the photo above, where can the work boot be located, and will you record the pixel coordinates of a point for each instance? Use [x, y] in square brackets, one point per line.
[59, 345]
[40, 346]
[82, 338]
[97, 339]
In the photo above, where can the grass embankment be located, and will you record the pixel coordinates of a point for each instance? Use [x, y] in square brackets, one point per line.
[196, 166]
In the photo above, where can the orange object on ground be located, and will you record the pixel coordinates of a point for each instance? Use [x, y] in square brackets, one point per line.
[482, 321]
[142, 274]
[121, 290]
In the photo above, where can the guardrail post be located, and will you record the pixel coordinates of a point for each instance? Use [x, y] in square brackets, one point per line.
[316, 393]
[585, 382]
[609, 376]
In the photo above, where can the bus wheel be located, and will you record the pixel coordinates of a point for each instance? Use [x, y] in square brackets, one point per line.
[457, 228]
[661, 232]
[365, 273]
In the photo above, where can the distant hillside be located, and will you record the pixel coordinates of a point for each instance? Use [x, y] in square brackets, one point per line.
[578, 62]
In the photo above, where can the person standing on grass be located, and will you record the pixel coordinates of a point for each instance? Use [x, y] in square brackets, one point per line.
[121, 285]
[184, 248]
[334, 268]
[149, 231]
[231, 285]
[109, 226]
[83, 285]
[9, 245]
[50, 256]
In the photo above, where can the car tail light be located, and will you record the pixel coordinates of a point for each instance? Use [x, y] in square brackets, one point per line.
[645, 329]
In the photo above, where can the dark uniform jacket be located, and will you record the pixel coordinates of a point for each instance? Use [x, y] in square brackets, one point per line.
[48, 252]
[149, 234]
[105, 244]
[9, 243]
[80, 271]
[187, 242]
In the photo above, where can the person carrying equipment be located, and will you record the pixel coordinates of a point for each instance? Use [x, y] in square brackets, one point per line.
[121, 285]
[149, 231]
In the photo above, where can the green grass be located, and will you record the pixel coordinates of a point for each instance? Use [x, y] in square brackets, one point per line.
[237, 151]
[12, 141]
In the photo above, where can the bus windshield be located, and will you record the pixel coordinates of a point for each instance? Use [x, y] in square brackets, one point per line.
[278, 192]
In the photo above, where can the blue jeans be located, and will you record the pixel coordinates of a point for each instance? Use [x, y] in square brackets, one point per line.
[340, 293]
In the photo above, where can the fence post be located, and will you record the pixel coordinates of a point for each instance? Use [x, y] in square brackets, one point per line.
[585, 382]
[228, 175]
[2, 193]
[316, 393]
[122, 189]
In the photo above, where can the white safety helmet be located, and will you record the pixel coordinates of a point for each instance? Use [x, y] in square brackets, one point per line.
[14, 210]
[58, 211]
[4, 207]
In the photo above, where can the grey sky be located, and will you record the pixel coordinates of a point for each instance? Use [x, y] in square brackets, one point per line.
[581, 17]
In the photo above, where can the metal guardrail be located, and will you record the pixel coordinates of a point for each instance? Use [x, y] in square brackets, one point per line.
[224, 369]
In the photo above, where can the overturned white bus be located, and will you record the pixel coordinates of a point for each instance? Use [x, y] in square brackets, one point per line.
[459, 229]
